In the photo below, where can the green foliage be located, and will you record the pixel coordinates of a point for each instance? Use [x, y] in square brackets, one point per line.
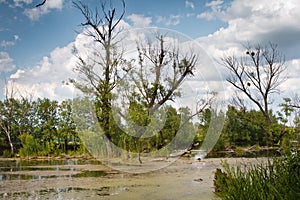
[30, 145]
[286, 110]
[45, 127]
[155, 141]
[11, 125]
[7, 154]
[202, 126]
[34, 127]
[278, 179]
[221, 181]
[244, 128]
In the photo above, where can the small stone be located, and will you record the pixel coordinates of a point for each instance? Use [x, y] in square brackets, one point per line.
[198, 179]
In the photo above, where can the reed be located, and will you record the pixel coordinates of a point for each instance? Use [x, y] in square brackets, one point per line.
[279, 178]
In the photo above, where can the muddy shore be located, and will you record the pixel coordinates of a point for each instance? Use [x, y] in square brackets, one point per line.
[183, 179]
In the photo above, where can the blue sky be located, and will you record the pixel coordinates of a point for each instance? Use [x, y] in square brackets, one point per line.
[34, 41]
[36, 37]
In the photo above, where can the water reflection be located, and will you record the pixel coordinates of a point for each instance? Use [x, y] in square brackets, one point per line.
[246, 154]
[64, 193]
[41, 170]
[85, 174]
[75, 179]
[38, 170]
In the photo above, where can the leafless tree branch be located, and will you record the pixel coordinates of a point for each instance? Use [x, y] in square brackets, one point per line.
[257, 75]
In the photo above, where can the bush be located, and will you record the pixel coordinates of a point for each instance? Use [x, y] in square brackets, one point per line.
[278, 179]
[30, 145]
[7, 153]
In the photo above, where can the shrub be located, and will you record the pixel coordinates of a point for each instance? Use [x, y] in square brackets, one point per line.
[7, 153]
[30, 145]
[278, 179]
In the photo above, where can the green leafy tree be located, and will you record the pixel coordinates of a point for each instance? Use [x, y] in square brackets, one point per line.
[30, 146]
[47, 122]
[202, 126]
[9, 109]
[66, 128]
[290, 134]
[7, 123]
[244, 128]
[149, 82]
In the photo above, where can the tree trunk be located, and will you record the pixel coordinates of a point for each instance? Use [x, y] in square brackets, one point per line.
[10, 144]
[139, 157]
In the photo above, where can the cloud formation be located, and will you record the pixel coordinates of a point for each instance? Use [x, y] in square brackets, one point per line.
[35, 13]
[5, 43]
[19, 3]
[189, 4]
[216, 10]
[171, 20]
[6, 62]
[257, 21]
[260, 21]
[48, 78]
[140, 20]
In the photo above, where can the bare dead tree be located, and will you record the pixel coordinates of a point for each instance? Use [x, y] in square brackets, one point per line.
[100, 71]
[160, 70]
[257, 75]
[238, 101]
[162, 87]
[295, 102]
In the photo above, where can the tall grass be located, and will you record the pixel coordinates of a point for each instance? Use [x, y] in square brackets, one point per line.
[277, 179]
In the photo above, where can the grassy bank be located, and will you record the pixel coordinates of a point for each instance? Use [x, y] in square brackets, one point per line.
[279, 178]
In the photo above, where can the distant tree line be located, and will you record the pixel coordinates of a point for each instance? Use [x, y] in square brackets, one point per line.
[39, 127]
[146, 86]
[47, 128]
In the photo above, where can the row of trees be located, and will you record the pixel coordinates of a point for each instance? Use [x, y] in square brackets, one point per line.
[246, 128]
[153, 79]
[45, 127]
[35, 127]
[143, 84]
[145, 87]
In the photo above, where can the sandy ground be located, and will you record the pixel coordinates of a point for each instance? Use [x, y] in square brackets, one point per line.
[182, 179]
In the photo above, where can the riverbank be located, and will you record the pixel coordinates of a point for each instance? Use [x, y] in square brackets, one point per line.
[61, 157]
[183, 179]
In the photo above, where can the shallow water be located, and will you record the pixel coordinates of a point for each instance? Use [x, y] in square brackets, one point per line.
[73, 179]
[42, 169]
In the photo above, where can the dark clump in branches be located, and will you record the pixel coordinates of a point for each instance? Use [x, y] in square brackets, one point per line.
[257, 76]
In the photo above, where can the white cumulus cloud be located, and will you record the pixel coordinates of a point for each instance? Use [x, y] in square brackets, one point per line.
[35, 13]
[6, 62]
[171, 20]
[140, 20]
[257, 21]
[48, 77]
[215, 10]
[189, 4]
[21, 2]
